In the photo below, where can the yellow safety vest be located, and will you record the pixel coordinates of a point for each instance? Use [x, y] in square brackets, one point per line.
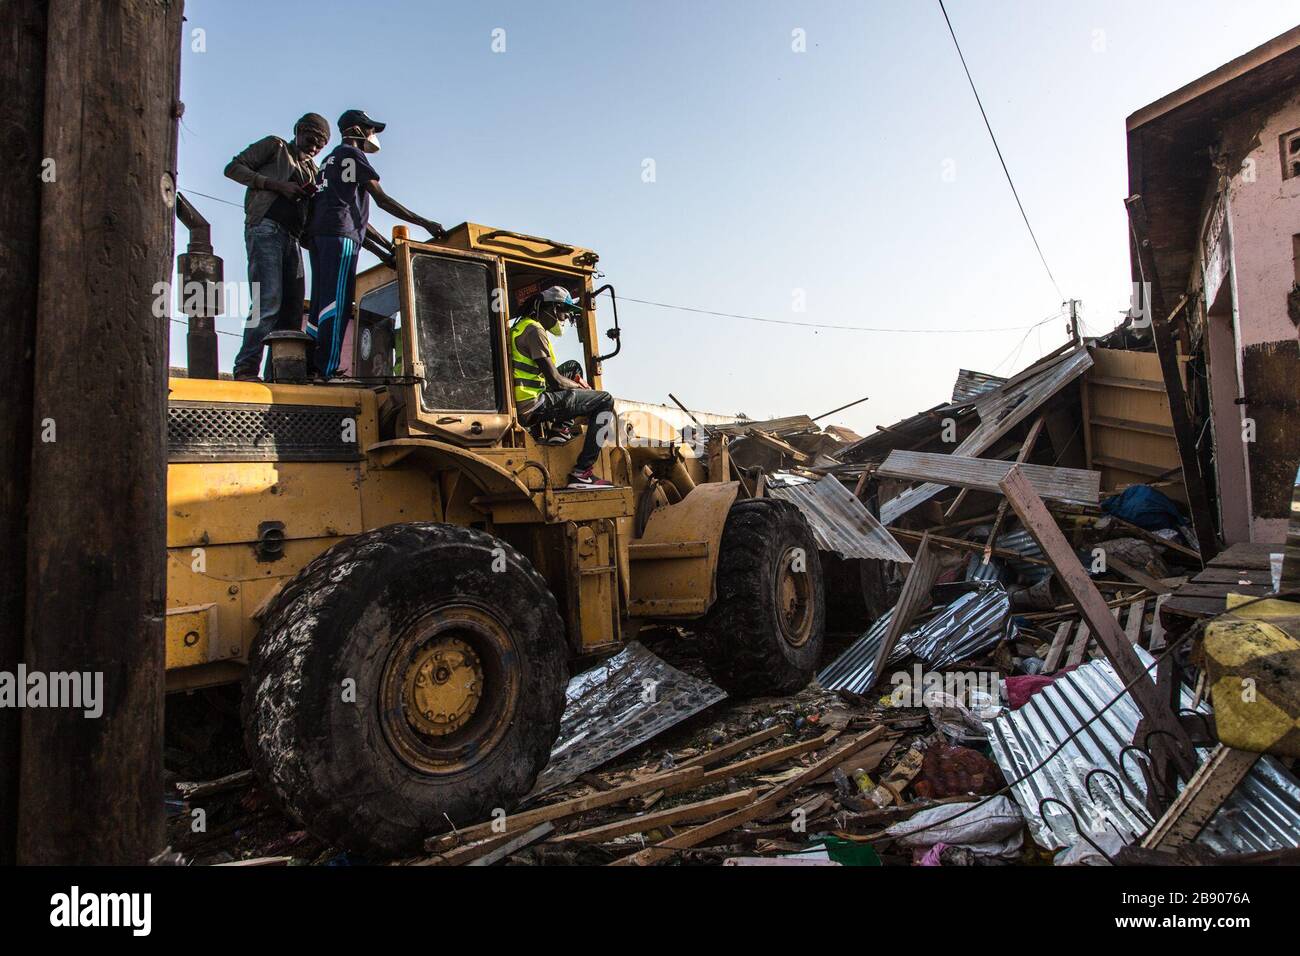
[529, 380]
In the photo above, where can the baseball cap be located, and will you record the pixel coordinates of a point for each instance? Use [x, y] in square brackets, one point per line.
[351, 118]
[559, 296]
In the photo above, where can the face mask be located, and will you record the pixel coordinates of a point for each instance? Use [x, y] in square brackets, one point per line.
[368, 144]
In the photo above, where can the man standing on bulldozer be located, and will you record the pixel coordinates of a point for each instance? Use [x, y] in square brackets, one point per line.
[339, 221]
[543, 394]
[280, 176]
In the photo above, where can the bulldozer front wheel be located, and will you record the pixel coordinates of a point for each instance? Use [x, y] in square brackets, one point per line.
[410, 677]
[764, 633]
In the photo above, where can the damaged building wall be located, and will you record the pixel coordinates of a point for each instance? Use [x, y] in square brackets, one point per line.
[1218, 164]
[1263, 203]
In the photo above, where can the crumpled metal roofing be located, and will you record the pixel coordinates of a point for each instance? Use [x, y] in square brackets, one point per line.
[607, 711]
[976, 620]
[971, 385]
[839, 521]
[972, 622]
[1263, 813]
[999, 410]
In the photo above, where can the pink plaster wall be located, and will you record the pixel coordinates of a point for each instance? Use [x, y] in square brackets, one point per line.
[1263, 218]
[1265, 213]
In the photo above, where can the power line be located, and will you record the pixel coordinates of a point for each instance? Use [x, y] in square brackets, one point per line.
[758, 318]
[195, 192]
[820, 325]
[998, 149]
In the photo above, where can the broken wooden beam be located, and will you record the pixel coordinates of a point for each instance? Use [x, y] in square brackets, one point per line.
[685, 813]
[715, 828]
[1212, 784]
[1071, 485]
[719, 754]
[555, 811]
[914, 596]
[1038, 521]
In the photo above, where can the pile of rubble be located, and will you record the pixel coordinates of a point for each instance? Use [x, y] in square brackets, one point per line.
[1008, 641]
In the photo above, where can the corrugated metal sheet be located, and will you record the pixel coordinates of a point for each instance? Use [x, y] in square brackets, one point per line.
[607, 712]
[969, 624]
[839, 521]
[999, 411]
[971, 385]
[1262, 814]
[972, 622]
[855, 669]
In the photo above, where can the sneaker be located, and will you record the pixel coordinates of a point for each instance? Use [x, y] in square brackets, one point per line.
[587, 479]
[557, 436]
[246, 377]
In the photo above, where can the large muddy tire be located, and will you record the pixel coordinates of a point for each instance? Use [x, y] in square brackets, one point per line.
[764, 633]
[401, 682]
[858, 591]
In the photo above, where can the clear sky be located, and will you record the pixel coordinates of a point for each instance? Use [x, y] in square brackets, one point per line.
[854, 179]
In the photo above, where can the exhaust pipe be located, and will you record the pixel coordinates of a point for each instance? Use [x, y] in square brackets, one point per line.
[202, 291]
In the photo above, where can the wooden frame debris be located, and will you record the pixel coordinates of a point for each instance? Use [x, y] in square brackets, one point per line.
[1033, 514]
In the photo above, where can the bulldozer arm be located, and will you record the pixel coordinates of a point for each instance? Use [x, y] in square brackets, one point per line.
[676, 559]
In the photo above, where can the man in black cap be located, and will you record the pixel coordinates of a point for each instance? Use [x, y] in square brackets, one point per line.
[340, 217]
[280, 177]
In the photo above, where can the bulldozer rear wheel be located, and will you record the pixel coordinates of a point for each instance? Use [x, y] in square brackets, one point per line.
[764, 633]
[408, 679]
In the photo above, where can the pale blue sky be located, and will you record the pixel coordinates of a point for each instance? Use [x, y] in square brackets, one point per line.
[776, 171]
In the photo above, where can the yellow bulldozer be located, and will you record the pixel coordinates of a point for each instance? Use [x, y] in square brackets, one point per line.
[391, 566]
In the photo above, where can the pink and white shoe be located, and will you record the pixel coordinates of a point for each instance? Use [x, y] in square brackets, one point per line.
[587, 479]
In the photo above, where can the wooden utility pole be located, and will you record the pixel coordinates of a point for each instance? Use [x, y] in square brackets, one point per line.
[22, 77]
[90, 789]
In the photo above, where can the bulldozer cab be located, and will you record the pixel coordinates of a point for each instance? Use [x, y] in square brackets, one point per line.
[438, 320]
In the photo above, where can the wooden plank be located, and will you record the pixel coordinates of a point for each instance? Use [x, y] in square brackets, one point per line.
[1026, 449]
[1155, 539]
[868, 759]
[1072, 485]
[725, 752]
[685, 813]
[914, 595]
[1195, 607]
[1243, 577]
[513, 845]
[1135, 467]
[1137, 576]
[1212, 784]
[1053, 658]
[1080, 645]
[1128, 424]
[963, 545]
[1038, 521]
[565, 808]
[697, 835]
[1214, 589]
[771, 441]
[1133, 628]
[1162, 335]
[1157, 642]
[1115, 381]
[750, 764]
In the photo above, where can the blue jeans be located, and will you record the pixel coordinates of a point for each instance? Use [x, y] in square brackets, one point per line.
[596, 407]
[276, 277]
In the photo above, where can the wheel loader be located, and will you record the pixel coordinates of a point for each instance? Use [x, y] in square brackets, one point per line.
[390, 565]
